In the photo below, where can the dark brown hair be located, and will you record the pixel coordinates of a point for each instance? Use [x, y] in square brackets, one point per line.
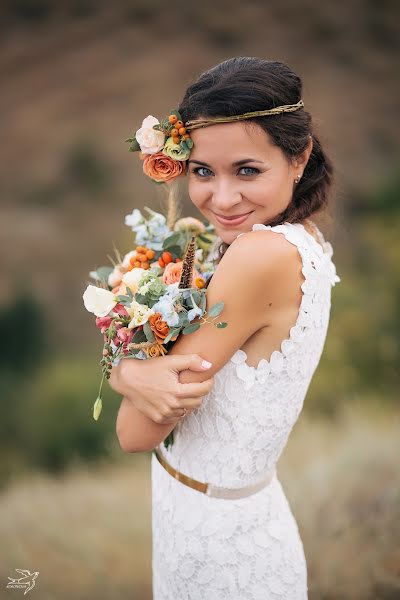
[246, 83]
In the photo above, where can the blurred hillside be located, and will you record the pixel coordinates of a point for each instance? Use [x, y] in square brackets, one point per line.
[77, 78]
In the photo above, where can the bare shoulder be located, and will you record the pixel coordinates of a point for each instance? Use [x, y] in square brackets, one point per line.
[262, 252]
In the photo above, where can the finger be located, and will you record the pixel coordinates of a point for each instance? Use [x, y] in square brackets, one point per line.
[195, 362]
[196, 389]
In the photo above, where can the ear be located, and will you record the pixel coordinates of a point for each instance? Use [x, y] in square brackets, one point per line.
[302, 159]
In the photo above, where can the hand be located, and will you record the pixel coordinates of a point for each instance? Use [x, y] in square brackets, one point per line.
[153, 386]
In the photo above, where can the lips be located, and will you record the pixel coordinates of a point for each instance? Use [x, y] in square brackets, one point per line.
[232, 220]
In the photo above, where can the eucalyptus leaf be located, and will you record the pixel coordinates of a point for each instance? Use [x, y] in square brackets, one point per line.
[191, 328]
[104, 272]
[148, 332]
[172, 333]
[183, 318]
[172, 239]
[216, 309]
[139, 337]
[175, 250]
[189, 143]
[222, 325]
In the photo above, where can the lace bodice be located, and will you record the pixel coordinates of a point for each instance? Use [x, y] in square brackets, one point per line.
[247, 549]
[242, 425]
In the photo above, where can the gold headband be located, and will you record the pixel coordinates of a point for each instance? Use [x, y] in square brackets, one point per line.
[195, 123]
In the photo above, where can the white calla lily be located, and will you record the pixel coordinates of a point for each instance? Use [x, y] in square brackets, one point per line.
[98, 300]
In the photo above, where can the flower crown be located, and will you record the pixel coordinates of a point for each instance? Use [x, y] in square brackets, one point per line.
[165, 146]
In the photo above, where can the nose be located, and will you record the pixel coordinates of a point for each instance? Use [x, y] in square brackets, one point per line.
[225, 195]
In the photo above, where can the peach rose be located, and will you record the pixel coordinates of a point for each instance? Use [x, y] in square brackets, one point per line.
[162, 168]
[159, 328]
[155, 350]
[172, 273]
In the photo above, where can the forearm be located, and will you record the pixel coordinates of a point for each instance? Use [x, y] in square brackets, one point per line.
[138, 433]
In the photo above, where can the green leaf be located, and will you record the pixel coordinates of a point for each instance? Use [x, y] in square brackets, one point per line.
[189, 143]
[134, 147]
[184, 146]
[104, 272]
[175, 112]
[171, 240]
[222, 325]
[191, 328]
[183, 318]
[173, 332]
[148, 332]
[216, 309]
[139, 337]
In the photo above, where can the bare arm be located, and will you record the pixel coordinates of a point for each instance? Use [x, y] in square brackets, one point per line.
[251, 264]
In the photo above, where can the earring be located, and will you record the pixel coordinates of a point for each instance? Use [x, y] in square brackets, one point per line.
[297, 179]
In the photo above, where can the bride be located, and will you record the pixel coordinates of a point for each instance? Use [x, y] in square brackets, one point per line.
[222, 525]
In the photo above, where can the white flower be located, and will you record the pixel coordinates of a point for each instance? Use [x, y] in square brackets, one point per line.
[134, 219]
[199, 254]
[98, 300]
[139, 313]
[132, 278]
[194, 312]
[165, 306]
[115, 277]
[150, 140]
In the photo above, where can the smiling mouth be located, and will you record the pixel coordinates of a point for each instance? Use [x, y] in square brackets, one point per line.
[232, 217]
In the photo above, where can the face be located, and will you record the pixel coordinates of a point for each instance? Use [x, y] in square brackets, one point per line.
[234, 170]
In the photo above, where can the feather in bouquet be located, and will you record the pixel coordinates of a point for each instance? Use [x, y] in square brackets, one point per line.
[155, 292]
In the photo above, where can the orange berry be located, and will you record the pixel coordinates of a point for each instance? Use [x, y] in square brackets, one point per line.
[142, 258]
[137, 264]
[150, 254]
[174, 132]
[161, 262]
[176, 140]
[186, 136]
[199, 281]
[140, 249]
[167, 257]
[132, 259]
[145, 265]
[179, 124]
[130, 267]
[182, 131]
[172, 119]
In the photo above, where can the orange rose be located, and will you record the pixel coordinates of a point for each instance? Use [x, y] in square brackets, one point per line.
[153, 351]
[162, 168]
[159, 328]
[172, 273]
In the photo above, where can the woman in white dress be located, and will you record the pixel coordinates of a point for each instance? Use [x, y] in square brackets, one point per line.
[222, 525]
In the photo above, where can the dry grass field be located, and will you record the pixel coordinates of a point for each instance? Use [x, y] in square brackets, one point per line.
[88, 533]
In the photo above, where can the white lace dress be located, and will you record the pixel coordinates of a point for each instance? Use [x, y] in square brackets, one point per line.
[207, 548]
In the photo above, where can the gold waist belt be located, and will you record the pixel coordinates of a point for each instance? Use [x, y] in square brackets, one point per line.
[213, 490]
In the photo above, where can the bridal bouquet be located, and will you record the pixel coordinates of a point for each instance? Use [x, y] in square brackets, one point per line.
[153, 293]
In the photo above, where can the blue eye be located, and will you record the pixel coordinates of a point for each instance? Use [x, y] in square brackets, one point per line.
[196, 171]
[251, 169]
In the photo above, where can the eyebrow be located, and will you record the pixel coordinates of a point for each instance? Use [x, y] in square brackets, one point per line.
[235, 164]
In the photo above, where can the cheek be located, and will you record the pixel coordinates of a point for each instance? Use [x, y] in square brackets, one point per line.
[196, 192]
